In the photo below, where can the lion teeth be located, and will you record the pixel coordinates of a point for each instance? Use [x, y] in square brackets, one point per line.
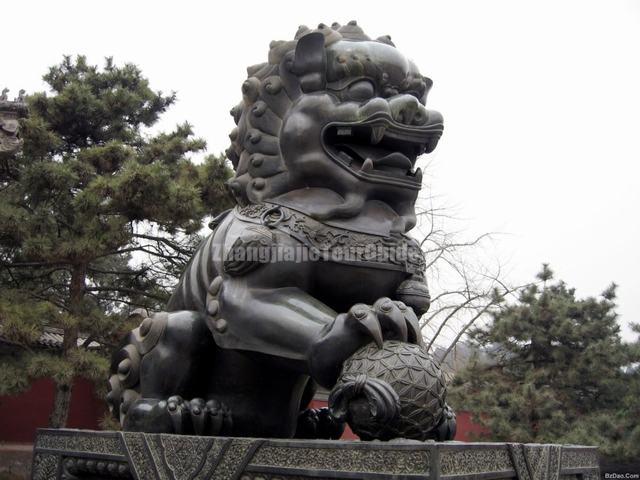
[418, 175]
[367, 166]
[377, 133]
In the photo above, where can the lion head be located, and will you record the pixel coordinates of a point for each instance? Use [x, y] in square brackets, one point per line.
[333, 125]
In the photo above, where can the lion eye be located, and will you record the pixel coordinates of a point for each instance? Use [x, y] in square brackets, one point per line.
[361, 90]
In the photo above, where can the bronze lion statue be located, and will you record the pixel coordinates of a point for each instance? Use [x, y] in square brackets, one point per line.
[312, 264]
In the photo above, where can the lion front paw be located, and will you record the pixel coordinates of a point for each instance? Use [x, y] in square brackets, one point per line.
[384, 320]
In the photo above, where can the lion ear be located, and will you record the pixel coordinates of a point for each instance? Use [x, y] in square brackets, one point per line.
[309, 63]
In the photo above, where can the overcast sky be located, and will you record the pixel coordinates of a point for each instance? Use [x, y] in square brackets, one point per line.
[541, 101]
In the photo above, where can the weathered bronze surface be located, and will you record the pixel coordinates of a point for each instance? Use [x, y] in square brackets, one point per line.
[313, 263]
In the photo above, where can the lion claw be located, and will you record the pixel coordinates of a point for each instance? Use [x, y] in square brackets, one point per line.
[386, 319]
[219, 417]
[175, 408]
[197, 416]
[364, 318]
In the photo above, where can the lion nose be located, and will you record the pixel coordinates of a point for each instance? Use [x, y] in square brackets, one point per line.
[408, 110]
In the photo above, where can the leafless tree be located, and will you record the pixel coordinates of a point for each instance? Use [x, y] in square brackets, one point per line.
[466, 278]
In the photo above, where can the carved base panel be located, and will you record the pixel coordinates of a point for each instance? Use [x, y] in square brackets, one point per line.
[84, 454]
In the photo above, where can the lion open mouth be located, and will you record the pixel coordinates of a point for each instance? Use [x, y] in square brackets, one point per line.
[380, 149]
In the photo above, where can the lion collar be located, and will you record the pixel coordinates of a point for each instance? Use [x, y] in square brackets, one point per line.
[396, 252]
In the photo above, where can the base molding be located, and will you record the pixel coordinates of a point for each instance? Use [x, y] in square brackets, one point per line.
[85, 454]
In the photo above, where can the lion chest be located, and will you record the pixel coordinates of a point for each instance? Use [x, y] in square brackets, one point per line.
[341, 285]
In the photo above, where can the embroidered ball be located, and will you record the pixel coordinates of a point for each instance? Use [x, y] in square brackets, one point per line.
[397, 391]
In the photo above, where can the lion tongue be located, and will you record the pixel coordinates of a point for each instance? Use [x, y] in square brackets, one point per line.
[377, 157]
[382, 157]
[395, 160]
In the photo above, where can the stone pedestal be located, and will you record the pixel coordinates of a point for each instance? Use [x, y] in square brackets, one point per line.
[83, 454]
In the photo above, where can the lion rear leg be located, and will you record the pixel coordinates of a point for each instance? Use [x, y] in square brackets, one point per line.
[159, 377]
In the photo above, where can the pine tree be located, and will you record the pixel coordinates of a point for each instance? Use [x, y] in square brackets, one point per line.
[555, 371]
[96, 216]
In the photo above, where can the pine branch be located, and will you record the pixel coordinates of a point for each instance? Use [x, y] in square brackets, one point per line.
[128, 291]
[166, 241]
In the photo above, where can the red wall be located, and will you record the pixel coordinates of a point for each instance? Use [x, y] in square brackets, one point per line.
[21, 415]
[466, 430]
